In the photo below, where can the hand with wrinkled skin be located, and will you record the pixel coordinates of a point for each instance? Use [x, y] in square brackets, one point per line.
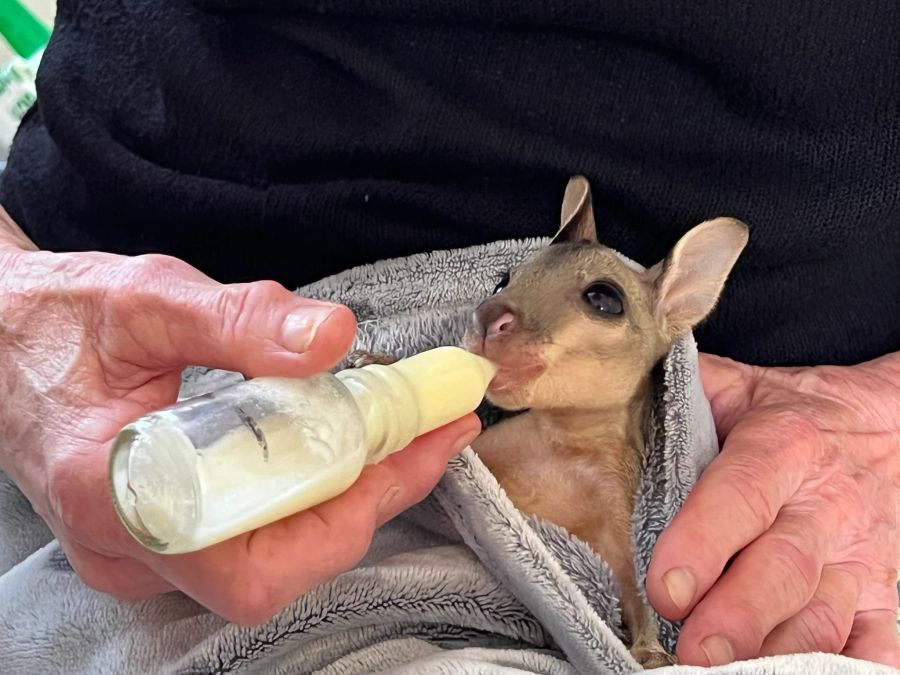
[806, 492]
[91, 341]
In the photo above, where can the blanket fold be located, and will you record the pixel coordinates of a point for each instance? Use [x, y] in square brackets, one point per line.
[461, 583]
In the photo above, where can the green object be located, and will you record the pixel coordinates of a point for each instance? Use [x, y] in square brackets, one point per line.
[24, 33]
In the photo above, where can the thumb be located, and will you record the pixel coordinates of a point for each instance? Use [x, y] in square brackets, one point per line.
[729, 386]
[257, 329]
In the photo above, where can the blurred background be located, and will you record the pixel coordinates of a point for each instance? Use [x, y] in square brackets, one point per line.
[25, 27]
[42, 10]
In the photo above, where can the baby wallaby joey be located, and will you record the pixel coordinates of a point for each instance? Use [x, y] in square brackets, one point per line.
[576, 332]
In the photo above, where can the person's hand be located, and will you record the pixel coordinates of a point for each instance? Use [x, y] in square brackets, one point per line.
[806, 495]
[91, 341]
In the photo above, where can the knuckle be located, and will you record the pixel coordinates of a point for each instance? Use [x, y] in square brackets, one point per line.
[821, 379]
[419, 489]
[883, 576]
[66, 500]
[802, 436]
[140, 279]
[266, 289]
[92, 574]
[250, 603]
[118, 591]
[823, 628]
[760, 503]
[133, 595]
[157, 264]
[355, 548]
[258, 294]
[97, 582]
[352, 541]
[149, 269]
[797, 568]
[747, 626]
[238, 304]
[231, 308]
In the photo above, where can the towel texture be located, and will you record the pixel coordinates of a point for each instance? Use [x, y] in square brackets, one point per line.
[461, 583]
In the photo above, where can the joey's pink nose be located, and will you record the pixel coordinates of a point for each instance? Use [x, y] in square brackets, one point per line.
[504, 324]
[494, 319]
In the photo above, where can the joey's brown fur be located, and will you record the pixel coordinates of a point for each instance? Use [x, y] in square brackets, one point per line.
[576, 332]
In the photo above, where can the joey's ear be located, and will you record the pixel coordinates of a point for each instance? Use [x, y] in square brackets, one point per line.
[689, 281]
[576, 222]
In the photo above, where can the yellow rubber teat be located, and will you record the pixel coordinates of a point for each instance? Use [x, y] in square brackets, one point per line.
[411, 397]
[448, 382]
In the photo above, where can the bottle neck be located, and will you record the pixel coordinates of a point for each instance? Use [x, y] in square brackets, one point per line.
[389, 407]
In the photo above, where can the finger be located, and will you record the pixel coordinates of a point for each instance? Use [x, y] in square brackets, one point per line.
[123, 578]
[874, 637]
[267, 330]
[824, 624]
[729, 387]
[96, 544]
[81, 501]
[163, 317]
[421, 465]
[874, 633]
[735, 500]
[383, 490]
[772, 579]
[251, 578]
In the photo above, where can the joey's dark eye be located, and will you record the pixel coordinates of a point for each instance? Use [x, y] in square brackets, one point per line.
[604, 298]
[503, 283]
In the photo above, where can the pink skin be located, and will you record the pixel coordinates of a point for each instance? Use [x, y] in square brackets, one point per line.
[91, 341]
[807, 491]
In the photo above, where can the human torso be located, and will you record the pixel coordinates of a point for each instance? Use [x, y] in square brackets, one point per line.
[292, 145]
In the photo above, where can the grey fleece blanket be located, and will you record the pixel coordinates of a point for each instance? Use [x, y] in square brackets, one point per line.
[462, 583]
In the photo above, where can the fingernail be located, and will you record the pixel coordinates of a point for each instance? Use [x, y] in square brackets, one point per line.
[299, 328]
[718, 650]
[681, 586]
[387, 498]
[465, 440]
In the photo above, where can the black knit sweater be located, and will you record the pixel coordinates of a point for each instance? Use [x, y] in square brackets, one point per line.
[291, 139]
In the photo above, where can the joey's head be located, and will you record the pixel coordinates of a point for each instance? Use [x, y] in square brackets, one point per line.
[578, 327]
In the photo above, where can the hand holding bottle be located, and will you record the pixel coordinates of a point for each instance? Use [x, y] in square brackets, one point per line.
[91, 341]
